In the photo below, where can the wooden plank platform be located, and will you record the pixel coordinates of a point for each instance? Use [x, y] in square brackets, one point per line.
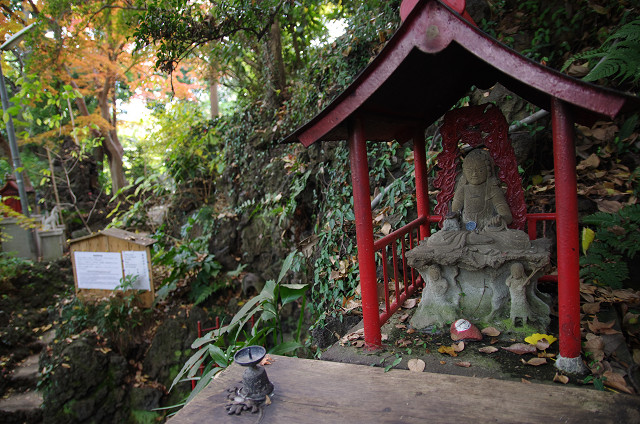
[310, 391]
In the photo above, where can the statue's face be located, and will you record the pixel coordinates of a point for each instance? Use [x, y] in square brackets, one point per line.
[475, 171]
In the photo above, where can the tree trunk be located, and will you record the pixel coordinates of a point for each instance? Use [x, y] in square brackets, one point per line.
[213, 88]
[274, 66]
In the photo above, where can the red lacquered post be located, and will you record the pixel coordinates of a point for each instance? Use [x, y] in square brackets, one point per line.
[422, 182]
[364, 234]
[567, 237]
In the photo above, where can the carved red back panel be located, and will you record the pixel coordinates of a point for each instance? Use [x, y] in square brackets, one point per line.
[479, 125]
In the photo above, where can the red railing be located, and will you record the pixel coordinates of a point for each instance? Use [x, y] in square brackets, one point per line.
[200, 331]
[406, 281]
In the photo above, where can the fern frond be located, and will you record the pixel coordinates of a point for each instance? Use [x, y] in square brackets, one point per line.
[618, 57]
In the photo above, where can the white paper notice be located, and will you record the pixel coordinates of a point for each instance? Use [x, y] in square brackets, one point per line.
[98, 270]
[135, 263]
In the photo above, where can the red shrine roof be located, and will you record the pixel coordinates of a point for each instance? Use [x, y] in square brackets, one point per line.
[433, 60]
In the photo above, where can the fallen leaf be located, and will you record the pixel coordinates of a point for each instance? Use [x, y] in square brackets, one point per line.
[616, 381]
[403, 342]
[608, 206]
[546, 355]
[458, 347]
[64, 365]
[542, 344]
[559, 378]
[401, 326]
[448, 350]
[416, 365]
[410, 303]
[520, 348]
[525, 381]
[358, 343]
[488, 349]
[598, 327]
[267, 360]
[463, 364]
[411, 330]
[591, 308]
[536, 362]
[595, 346]
[491, 332]
[386, 228]
[443, 362]
[535, 338]
[591, 162]
[403, 317]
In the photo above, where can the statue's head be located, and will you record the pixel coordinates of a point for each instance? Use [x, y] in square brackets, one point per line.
[476, 167]
[517, 270]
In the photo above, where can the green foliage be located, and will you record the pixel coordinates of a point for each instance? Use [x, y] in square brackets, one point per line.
[114, 317]
[189, 259]
[216, 348]
[10, 265]
[616, 243]
[618, 57]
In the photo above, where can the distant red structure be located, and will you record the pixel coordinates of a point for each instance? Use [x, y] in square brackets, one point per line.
[433, 60]
[10, 195]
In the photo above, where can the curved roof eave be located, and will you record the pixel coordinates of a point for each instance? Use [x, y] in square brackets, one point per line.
[432, 61]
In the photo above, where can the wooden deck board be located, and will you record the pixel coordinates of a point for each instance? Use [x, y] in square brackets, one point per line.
[308, 391]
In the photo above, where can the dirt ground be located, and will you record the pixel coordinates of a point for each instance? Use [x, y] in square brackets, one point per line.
[401, 344]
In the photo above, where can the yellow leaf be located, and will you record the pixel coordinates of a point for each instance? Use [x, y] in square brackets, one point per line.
[535, 338]
[587, 238]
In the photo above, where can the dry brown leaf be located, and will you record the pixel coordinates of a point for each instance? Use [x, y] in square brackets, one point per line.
[358, 343]
[416, 365]
[401, 326]
[543, 344]
[403, 317]
[386, 228]
[559, 378]
[546, 355]
[443, 362]
[536, 362]
[520, 348]
[594, 345]
[491, 332]
[459, 347]
[410, 303]
[463, 364]
[592, 161]
[488, 349]
[608, 206]
[598, 327]
[616, 381]
[411, 330]
[525, 381]
[448, 350]
[591, 308]
[403, 342]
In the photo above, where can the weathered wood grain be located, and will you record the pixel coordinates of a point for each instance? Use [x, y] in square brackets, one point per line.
[308, 391]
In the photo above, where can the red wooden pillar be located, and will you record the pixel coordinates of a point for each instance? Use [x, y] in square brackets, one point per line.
[422, 182]
[364, 234]
[567, 236]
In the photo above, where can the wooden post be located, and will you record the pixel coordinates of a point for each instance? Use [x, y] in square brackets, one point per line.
[364, 234]
[422, 182]
[564, 157]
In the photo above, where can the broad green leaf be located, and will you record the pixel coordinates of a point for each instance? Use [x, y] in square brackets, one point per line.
[285, 347]
[292, 292]
[286, 265]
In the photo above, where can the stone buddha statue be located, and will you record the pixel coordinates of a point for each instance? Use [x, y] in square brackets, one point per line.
[482, 210]
[474, 252]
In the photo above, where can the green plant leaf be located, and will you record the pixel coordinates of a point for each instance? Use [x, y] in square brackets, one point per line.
[292, 292]
[286, 265]
[285, 347]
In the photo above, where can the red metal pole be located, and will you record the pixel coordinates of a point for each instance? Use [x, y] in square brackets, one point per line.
[567, 230]
[364, 234]
[422, 182]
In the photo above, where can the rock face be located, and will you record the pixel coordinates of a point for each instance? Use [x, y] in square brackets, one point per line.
[170, 349]
[85, 385]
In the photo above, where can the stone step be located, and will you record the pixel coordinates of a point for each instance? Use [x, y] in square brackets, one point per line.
[21, 408]
[27, 373]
